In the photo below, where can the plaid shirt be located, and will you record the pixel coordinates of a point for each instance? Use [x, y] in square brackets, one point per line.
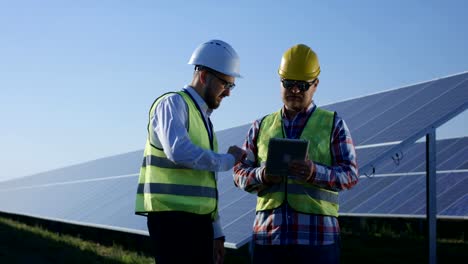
[283, 225]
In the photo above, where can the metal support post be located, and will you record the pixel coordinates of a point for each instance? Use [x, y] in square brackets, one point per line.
[431, 198]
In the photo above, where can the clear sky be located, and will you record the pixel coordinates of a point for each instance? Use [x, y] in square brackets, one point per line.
[77, 77]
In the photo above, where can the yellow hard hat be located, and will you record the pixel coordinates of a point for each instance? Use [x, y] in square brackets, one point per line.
[299, 63]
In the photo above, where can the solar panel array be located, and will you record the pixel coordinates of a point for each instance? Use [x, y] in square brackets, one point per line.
[102, 192]
[399, 114]
[404, 114]
[400, 188]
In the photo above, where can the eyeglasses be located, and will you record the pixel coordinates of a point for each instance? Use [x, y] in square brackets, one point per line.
[227, 85]
[302, 85]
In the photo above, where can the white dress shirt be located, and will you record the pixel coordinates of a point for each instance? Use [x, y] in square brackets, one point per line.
[169, 132]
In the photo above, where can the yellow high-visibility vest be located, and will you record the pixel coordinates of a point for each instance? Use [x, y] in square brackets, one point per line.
[166, 186]
[303, 197]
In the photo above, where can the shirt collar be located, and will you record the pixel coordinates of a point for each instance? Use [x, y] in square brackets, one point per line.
[198, 100]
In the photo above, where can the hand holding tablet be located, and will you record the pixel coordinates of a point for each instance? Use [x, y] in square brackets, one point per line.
[281, 151]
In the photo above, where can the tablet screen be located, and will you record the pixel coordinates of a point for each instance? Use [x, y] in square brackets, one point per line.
[283, 150]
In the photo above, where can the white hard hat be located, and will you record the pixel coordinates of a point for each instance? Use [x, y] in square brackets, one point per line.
[217, 55]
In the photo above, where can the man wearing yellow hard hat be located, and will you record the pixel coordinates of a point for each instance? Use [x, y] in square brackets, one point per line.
[296, 215]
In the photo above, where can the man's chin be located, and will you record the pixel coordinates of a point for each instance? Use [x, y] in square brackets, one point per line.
[217, 103]
[294, 104]
[214, 105]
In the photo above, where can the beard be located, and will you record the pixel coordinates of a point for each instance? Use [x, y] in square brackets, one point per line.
[294, 104]
[210, 96]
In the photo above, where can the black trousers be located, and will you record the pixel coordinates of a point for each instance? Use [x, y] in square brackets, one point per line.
[180, 237]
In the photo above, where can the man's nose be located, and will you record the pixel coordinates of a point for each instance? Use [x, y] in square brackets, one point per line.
[227, 92]
[295, 89]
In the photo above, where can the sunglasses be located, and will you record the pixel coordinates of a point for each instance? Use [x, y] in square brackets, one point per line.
[227, 85]
[301, 85]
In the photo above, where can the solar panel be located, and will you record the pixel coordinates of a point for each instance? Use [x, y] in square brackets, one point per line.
[450, 154]
[401, 113]
[102, 192]
[395, 194]
[122, 164]
[405, 195]
[458, 208]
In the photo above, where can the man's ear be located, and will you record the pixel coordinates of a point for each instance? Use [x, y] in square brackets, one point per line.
[203, 77]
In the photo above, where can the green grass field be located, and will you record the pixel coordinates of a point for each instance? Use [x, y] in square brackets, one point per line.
[25, 243]
[21, 243]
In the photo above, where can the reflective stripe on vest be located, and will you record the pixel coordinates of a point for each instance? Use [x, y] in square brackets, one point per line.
[186, 190]
[303, 197]
[151, 160]
[167, 186]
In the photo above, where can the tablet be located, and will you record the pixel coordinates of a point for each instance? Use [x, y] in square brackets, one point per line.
[283, 150]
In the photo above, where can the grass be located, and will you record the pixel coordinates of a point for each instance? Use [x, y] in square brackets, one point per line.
[398, 240]
[383, 250]
[371, 242]
[21, 243]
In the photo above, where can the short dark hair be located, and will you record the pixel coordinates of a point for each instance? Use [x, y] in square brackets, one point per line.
[201, 68]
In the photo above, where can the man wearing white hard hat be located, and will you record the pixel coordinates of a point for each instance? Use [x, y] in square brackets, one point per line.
[177, 188]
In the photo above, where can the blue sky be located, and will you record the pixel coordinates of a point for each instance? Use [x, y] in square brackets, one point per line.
[77, 77]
